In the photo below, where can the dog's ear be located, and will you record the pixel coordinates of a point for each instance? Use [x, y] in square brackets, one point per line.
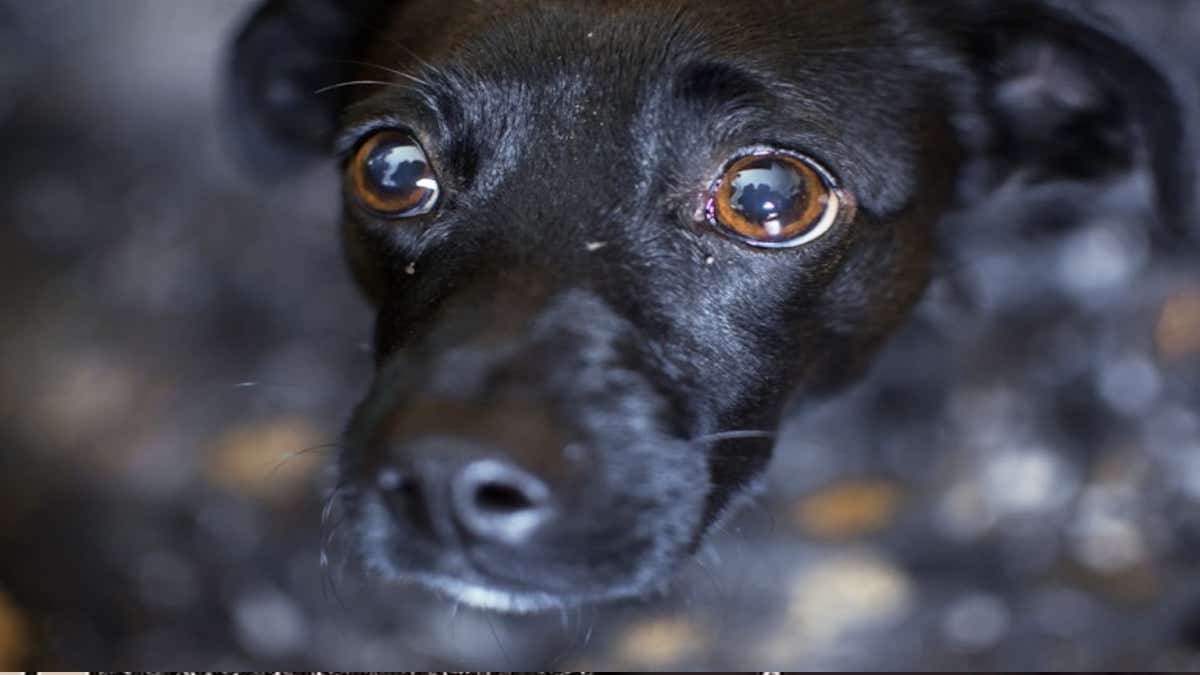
[286, 53]
[1064, 94]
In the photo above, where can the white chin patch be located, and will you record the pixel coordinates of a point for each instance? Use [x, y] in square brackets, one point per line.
[493, 600]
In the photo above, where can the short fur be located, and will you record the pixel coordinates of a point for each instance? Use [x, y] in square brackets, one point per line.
[566, 309]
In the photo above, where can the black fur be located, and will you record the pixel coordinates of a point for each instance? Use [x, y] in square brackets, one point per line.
[567, 310]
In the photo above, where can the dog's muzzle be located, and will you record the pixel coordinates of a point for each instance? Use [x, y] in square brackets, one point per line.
[543, 465]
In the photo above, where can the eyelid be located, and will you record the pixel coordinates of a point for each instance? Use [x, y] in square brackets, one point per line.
[760, 149]
[354, 135]
[348, 141]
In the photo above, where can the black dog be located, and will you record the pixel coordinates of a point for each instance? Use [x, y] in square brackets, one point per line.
[610, 240]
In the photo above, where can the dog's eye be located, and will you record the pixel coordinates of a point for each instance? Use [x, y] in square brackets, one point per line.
[775, 199]
[392, 176]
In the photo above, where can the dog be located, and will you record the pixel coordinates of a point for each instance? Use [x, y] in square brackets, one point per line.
[610, 242]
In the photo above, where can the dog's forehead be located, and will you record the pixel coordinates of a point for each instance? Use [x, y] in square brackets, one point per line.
[568, 75]
[544, 36]
[823, 22]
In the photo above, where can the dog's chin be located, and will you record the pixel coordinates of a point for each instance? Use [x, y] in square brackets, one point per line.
[478, 593]
[492, 599]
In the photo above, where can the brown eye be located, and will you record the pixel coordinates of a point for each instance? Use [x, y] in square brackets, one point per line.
[392, 176]
[776, 200]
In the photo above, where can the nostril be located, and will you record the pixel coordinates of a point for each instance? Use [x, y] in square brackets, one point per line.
[498, 501]
[395, 484]
[405, 498]
[501, 498]
[391, 480]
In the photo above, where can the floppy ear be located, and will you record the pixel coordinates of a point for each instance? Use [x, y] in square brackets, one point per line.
[1066, 95]
[285, 54]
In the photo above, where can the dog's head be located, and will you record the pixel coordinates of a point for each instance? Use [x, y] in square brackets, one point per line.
[607, 240]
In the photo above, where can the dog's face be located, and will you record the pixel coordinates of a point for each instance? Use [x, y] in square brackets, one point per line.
[608, 242]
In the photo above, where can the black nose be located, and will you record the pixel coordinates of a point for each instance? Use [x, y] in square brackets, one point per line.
[493, 499]
[452, 491]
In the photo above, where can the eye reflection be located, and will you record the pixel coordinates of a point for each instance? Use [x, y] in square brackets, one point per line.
[767, 191]
[398, 168]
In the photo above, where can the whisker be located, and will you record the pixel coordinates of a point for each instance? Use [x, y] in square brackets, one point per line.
[499, 643]
[573, 631]
[734, 435]
[718, 590]
[391, 71]
[329, 503]
[330, 582]
[358, 83]
[260, 384]
[324, 447]
[333, 532]
[587, 637]
[713, 554]
[329, 531]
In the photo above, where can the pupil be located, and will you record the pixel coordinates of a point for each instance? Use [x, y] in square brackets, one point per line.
[397, 168]
[768, 193]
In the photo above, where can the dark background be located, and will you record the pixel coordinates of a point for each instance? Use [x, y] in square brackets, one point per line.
[1016, 486]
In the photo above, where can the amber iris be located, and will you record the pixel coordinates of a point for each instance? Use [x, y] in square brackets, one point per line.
[391, 175]
[774, 199]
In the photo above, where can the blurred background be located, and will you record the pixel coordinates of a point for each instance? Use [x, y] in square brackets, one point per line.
[1016, 486]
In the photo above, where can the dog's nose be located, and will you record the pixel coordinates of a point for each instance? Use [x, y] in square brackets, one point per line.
[495, 500]
[460, 472]
[455, 490]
